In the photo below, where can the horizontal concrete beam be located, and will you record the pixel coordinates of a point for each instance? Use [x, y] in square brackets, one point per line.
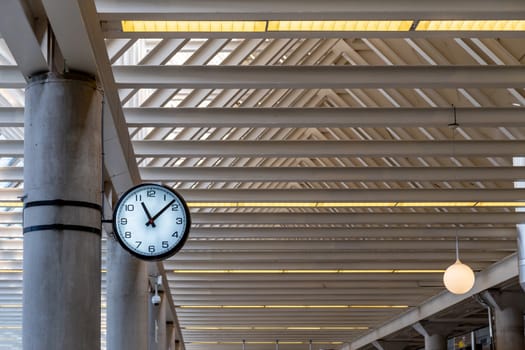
[304, 117]
[307, 233]
[288, 9]
[11, 78]
[359, 218]
[327, 148]
[322, 117]
[352, 195]
[500, 272]
[330, 77]
[14, 148]
[313, 174]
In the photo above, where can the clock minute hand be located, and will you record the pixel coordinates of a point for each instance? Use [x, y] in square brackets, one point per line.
[150, 219]
[162, 211]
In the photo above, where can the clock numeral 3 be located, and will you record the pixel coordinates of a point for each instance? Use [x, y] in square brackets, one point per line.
[178, 221]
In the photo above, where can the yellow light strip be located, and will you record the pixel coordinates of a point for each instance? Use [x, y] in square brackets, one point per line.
[471, 25]
[264, 26]
[319, 26]
[263, 342]
[11, 204]
[10, 306]
[292, 306]
[263, 328]
[339, 26]
[466, 204]
[283, 271]
[194, 26]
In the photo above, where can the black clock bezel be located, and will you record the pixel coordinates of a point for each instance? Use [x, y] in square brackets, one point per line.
[164, 255]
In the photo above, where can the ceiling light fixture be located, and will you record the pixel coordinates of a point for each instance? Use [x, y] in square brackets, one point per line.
[471, 25]
[458, 277]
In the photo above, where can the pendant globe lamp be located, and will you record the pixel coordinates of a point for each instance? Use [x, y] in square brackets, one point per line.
[458, 278]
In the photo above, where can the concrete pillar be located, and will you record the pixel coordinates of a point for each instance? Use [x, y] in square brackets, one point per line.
[509, 329]
[127, 300]
[157, 324]
[170, 335]
[435, 342]
[62, 213]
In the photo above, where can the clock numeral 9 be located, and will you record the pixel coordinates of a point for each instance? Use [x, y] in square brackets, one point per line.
[165, 244]
[127, 234]
[178, 221]
[151, 249]
[123, 221]
[129, 207]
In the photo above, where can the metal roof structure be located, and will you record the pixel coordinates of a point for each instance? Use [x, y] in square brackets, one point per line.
[328, 172]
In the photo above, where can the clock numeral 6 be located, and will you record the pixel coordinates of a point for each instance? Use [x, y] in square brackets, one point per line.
[123, 221]
[165, 244]
[127, 234]
[151, 249]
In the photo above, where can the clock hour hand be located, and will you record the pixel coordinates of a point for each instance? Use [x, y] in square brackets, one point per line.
[150, 219]
[161, 211]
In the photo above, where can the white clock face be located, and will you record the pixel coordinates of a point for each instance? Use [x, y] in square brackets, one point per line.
[151, 221]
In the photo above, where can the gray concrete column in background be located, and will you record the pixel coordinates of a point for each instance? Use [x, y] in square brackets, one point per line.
[127, 300]
[157, 324]
[509, 328]
[435, 342]
[62, 213]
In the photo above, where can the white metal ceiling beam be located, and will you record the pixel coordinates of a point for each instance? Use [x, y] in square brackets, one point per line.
[12, 116]
[279, 77]
[11, 78]
[16, 26]
[500, 272]
[310, 9]
[320, 148]
[351, 195]
[14, 148]
[349, 233]
[343, 174]
[357, 218]
[323, 117]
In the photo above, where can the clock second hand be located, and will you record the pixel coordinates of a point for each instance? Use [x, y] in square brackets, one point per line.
[150, 220]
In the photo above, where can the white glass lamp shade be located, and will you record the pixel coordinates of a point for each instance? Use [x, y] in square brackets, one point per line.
[459, 278]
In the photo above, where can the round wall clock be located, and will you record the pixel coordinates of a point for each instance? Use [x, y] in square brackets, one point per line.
[151, 221]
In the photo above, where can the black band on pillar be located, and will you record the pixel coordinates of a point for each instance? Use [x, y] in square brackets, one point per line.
[63, 203]
[63, 227]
